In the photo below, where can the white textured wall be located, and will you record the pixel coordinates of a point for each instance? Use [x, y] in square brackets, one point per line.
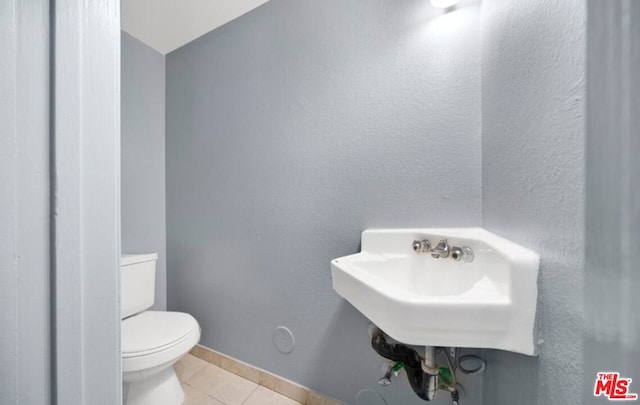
[59, 202]
[25, 355]
[86, 201]
[612, 210]
[533, 177]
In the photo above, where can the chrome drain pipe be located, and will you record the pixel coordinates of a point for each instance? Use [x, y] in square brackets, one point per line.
[431, 370]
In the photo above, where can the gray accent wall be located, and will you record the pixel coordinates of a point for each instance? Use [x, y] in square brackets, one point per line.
[290, 131]
[25, 301]
[297, 126]
[143, 156]
[533, 178]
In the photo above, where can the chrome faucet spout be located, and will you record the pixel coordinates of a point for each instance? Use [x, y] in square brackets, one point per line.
[441, 250]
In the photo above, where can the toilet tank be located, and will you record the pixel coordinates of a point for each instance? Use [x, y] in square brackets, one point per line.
[137, 282]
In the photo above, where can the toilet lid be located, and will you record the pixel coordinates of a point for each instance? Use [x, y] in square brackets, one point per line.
[153, 331]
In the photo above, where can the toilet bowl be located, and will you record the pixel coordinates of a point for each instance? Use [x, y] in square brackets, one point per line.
[152, 341]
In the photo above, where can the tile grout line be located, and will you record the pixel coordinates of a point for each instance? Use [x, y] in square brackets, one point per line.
[206, 393]
[252, 392]
[244, 401]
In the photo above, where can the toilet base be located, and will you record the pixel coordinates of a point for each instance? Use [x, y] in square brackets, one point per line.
[162, 388]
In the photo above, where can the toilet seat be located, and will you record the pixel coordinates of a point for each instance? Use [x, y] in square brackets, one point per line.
[152, 338]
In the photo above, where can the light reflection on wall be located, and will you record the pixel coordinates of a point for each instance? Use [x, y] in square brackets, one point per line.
[450, 43]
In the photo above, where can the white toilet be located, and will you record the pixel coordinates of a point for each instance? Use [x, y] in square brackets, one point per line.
[152, 341]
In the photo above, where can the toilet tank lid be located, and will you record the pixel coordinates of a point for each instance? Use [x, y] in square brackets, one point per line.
[127, 259]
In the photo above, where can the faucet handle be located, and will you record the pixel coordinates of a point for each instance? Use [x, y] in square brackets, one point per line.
[464, 254]
[421, 246]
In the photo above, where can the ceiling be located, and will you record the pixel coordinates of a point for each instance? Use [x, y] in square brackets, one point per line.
[166, 25]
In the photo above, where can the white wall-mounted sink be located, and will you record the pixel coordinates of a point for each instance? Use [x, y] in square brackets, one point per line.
[421, 300]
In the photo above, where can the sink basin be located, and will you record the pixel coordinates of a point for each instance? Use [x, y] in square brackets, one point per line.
[489, 302]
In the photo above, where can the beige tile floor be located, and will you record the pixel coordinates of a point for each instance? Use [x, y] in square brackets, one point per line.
[206, 384]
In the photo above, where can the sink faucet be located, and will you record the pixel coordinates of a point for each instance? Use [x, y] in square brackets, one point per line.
[441, 250]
